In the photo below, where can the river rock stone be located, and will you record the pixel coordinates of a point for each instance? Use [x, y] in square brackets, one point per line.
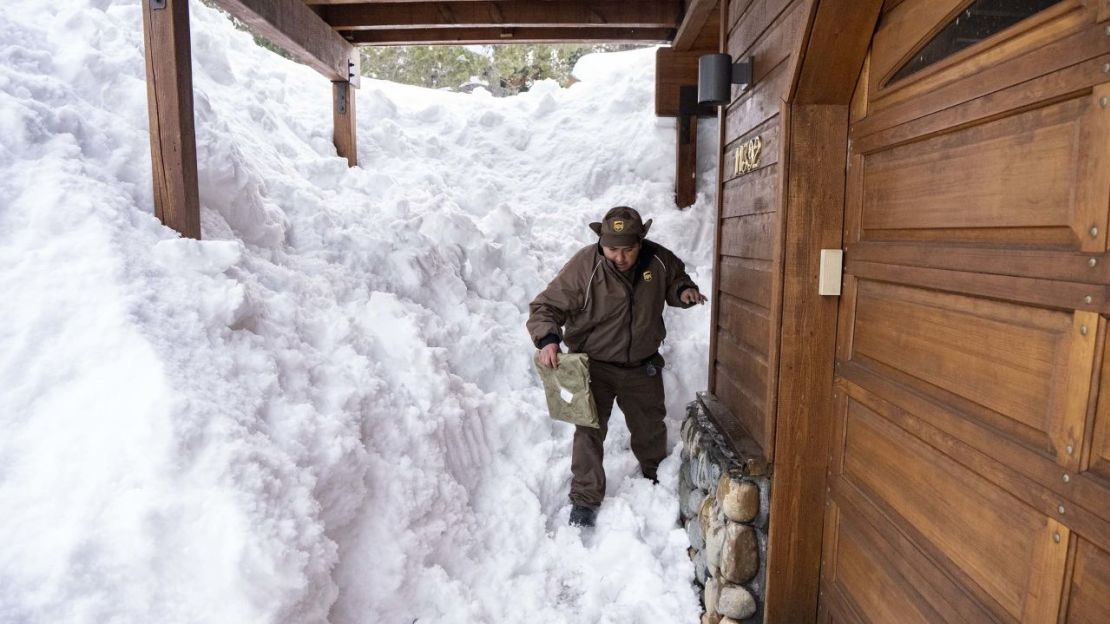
[694, 501]
[739, 554]
[712, 593]
[735, 602]
[694, 532]
[705, 514]
[714, 545]
[739, 500]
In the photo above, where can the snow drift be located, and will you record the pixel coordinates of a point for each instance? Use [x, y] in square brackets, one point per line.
[325, 411]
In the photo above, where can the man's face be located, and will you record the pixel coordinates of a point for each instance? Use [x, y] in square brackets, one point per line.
[623, 257]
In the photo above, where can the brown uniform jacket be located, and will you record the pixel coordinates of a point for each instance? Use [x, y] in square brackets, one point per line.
[607, 316]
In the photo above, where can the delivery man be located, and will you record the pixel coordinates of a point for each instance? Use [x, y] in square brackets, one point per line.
[607, 302]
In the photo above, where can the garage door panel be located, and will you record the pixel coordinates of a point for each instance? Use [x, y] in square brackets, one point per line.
[1012, 361]
[881, 576]
[890, 597]
[1098, 455]
[1089, 586]
[1022, 173]
[989, 535]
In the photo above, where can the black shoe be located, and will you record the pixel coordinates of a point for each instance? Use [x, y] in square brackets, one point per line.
[583, 516]
[650, 476]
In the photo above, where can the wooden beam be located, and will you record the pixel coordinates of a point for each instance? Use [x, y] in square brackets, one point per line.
[344, 133]
[505, 35]
[514, 14]
[815, 148]
[169, 88]
[686, 161]
[813, 216]
[299, 30]
[674, 70]
[694, 21]
[843, 41]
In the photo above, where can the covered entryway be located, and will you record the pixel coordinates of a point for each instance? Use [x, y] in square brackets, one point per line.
[969, 475]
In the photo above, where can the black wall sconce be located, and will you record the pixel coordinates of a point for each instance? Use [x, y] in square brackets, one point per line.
[716, 75]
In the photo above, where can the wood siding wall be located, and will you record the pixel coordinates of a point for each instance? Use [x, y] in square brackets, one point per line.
[744, 350]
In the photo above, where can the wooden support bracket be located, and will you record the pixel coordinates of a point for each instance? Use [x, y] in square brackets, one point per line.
[173, 148]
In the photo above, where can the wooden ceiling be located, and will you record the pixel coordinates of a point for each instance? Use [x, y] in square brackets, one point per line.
[401, 22]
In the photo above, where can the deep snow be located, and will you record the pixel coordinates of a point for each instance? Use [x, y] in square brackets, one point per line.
[326, 409]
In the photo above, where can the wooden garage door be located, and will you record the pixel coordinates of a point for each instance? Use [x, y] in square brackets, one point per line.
[970, 469]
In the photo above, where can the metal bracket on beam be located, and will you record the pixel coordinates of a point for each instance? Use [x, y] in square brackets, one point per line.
[341, 95]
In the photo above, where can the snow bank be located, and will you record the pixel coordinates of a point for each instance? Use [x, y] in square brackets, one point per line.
[325, 411]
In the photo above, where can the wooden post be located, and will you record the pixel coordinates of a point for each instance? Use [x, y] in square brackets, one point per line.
[686, 161]
[169, 82]
[343, 118]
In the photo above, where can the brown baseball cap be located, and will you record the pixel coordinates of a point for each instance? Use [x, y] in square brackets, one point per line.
[621, 227]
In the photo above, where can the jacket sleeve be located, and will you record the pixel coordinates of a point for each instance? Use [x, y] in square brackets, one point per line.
[679, 282]
[549, 311]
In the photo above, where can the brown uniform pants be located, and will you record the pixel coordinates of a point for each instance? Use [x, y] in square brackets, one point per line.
[641, 399]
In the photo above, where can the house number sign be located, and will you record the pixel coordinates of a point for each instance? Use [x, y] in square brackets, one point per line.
[747, 156]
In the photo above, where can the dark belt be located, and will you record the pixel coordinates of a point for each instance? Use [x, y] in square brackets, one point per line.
[649, 364]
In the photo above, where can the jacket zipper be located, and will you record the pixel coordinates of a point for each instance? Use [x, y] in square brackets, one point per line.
[631, 303]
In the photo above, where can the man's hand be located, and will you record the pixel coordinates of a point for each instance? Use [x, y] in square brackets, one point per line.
[549, 356]
[690, 296]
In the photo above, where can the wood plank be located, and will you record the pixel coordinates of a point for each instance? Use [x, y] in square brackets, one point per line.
[1007, 358]
[686, 161]
[1089, 589]
[1042, 28]
[1095, 454]
[659, 14]
[750, 457]
[674, 70]
[773, 46]
[748, 280]
[169, 81]
[694, 21]
[768, 135]
[957, 430]
[757, 105]
[1050, 87]
[1044, 293]
[877, 576]
[812, 220]
[1051, 57]
[904, 30]
[292, 26]
[719, 182]
[749, 236]
[749, 414]
[748, 325]
[736, 9]
[462, 36]
[753, 193]
[845, 47]
[759, 20]
[744, 365]
[1091, 268]
[1010, 180]
[344, 122]
[981, 530]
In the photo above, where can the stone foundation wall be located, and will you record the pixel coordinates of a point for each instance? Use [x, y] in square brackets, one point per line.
[724, 510]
